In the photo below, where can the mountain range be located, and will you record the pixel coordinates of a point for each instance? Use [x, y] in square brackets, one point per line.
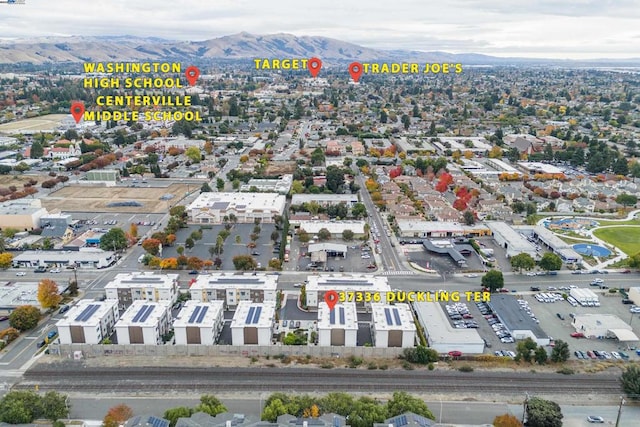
[241, 46]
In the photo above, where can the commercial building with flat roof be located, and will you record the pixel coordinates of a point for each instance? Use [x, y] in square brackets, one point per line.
[144, 323]
[143, 285]
[84, 258]
[21, 214]
[317, 286]
[393, 325]
[441, 335]
[252, 323]
[338, 327]
[324, 199]
[280, 185]
[517, 321]
[212, 208]
[88, 322]
[15, 295]
[556, 245]
[336, 228]
[512, 241]
[420, 229]
[199, 322]
[601, 326]
[232, 288]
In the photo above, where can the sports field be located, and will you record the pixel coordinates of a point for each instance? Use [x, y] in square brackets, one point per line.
[626, 238]
[46, 123]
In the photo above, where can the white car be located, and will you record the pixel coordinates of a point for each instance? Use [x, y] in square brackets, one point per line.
[21, 273]
[54, 270]
[531, 273]
[471, 276]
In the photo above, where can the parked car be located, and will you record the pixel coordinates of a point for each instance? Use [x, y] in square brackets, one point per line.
[54, 270]
[21, 273]
[560, 316]
[577, 335]
[41, 344]
[3, 318]
[52, 334]
[595, 419]
[64, 309]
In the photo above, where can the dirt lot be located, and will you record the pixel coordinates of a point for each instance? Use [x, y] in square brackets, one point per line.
[96, 198]
[18, 180]
[281, 168]
[43, 123]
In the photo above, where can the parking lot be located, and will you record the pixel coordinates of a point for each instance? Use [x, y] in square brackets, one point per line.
[359, 258]
[146, 223]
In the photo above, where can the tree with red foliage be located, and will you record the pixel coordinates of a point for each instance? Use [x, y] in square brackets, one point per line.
[395, 172]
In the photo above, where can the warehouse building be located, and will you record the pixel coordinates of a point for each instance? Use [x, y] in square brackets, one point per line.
[517, 321]
[84, 258]
[88, 322]
[602, 326]
[212, 208]
[338, 327]
[336, 228]
[392, 325]
[199, 322]
[144, 323]
[556, 245]
[441, 335]
[146, 286]
[376, 286]
[21, 214]
[252, 323]
[512, 241]
[233, 288]
[324, 200]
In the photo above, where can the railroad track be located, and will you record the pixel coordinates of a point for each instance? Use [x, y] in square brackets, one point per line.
[132, 379]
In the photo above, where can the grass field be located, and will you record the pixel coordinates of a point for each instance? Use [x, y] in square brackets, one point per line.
[602, 223]
[44, 123]
[625, 238]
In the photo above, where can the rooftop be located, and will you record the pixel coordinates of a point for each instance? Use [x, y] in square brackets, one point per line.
[240, 202]
[366, 282]
[143, 279]
[235, 281]
[387, 317]
[198, 313]
[87, 313]
[439, 329]
[513, 316]
[144, 313]
[249, 314]
[343, 316]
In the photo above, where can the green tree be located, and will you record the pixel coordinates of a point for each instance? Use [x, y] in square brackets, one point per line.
[194, 154]
[359, 210]
[21, 167]
[273, 409]
[25, 317]
[627, 199]
[189, 243]
[543, 413]
[525, 349]
[244, 262]
[114, 239]
[402, 402]
[335, 178]
[630, 381]
[540, 355]
[550, 262]
[173, 414]
[366, 411]
[560, 352]
[54, 406]
[210, 404]
[20, 407]
[420, 354]
[468, 217]
[275, 236]
[206, 188]
[347, 235]
[493, 280]
[220, 184]
[522, 261]
[324, 234]
[37, 150]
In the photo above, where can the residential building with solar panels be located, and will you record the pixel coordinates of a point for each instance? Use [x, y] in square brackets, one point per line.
[252, 323]
[145, 286]
[366, 283]
[144, 323]
[211, 208]
[392, 325]
[338, 327]
[88, 322]
[233, 288]
[199, 322]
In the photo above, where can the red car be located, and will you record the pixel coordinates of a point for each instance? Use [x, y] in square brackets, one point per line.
[577, 335]
[626, 271]
[455, 353]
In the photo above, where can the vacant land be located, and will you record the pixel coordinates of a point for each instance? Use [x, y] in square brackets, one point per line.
[19, 180]
[82, 198]
[46, 123]
[626, 238]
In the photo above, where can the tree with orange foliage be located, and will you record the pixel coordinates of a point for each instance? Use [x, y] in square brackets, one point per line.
[169, 264]
[194, 263]
[443, 182]
[506, 420]
[117, 415]
[152, 246]
[48, 294]
[133, 230]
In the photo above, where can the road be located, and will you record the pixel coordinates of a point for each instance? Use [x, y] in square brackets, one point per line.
[69, 376]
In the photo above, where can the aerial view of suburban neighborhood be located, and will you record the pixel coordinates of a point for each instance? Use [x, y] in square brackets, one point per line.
[338, 218]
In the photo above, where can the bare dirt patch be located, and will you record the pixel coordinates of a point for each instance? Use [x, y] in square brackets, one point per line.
[279, 168]
[82, 198]
[19, 180]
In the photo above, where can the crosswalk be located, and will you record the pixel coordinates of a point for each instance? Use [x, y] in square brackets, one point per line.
[397, 273]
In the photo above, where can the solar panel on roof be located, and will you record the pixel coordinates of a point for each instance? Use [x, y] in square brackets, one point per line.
[256, 317]
[144, 317]
[342, 315]
[87, 313]
[332, 317]
[249, 318]
[194, 314]
[400, 421]
[203, 312]
[387, 315]
[424, 422]
[396, 315]
[157, 422]
[139, 313]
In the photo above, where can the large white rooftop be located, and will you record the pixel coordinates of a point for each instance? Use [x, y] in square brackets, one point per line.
[87, 313]
[335, 227]
[439, 330]
[144, 313]
[239, 202]
[235, 281]
[196, 313]
[387, 317]
[362, 282]
[343, 316]
[143, 279]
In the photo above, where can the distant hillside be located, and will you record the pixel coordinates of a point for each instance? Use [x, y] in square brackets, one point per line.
[238, 46]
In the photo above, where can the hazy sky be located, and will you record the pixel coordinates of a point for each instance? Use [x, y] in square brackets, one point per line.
[528, 28]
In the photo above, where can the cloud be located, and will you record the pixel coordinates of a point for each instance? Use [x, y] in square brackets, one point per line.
[571, 28]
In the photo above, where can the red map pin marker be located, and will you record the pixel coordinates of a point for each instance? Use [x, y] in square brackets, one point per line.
[314, 65]
[192, 74]
[77, 111]
[355, 69]
[331, 298]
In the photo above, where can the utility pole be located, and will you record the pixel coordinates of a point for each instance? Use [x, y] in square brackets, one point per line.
[524, 406]
[619, 411]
